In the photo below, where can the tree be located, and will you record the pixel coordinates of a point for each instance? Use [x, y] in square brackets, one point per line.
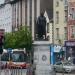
[19, 39]
[9, 41]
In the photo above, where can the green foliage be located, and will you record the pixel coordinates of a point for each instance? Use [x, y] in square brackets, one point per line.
[19, 39]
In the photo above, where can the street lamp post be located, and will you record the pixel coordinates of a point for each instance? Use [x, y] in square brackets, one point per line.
[71, 52]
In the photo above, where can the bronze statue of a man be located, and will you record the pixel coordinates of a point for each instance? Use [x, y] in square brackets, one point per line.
[41, 26]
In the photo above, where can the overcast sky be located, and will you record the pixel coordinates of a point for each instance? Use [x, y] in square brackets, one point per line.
[2, 1]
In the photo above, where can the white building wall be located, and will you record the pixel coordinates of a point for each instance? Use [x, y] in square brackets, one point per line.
[51, 32]
[23, 12]
[28, 12]
[6, 18]
[38, 8]
[19, 14]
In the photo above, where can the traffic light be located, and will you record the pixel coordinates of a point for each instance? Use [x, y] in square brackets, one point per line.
[1, 44]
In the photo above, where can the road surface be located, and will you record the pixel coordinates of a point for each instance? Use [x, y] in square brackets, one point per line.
[65, 74]
[23, 72]
[13, 72]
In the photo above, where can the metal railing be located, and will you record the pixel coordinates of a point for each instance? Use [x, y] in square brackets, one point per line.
[16, 70]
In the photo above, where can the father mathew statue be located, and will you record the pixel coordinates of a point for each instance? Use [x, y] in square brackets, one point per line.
[41, 27]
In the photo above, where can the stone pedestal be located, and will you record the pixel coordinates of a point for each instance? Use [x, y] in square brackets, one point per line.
[41, 52]
[42, 58]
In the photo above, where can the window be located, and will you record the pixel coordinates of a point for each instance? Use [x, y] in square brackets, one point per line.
[58, 63]
[73, 13]
[65, 2]
[17, 57]
[57, 33]
[65, 33]
[65, 19]
[57, 3]
[5, 57]
[57, 17]
[72, 31]
[66, 7]
[47, 27]
[66, 14]
[61, 0]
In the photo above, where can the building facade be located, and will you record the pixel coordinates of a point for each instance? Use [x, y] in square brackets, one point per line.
[70, 43]
[26, 12]
[71, 20]
[60, 22]
[6, 17]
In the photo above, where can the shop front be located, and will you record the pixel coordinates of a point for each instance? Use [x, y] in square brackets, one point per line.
[70, 50]
[57, 54]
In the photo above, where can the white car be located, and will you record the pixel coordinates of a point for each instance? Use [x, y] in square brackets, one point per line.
[69, 67]
[64, 67]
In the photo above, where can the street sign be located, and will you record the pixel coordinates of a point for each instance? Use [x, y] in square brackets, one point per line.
[69, 43]
[57, 48]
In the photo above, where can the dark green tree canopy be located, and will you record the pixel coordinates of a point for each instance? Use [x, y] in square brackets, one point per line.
[19, 39]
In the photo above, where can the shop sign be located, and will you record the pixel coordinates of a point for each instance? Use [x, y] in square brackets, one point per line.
[57, 48]
[70, 43]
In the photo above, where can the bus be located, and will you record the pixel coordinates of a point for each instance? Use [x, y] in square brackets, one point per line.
[17, 58]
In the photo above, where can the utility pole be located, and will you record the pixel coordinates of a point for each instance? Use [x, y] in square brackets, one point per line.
[71, 53]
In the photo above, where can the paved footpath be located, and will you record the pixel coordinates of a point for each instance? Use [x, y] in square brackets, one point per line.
[65, 74]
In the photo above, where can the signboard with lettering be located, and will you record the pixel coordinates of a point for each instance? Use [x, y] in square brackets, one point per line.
[69, 43]
[57, 48]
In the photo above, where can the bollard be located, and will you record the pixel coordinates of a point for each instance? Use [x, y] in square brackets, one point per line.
[15, 70]
[63, 72]
[18, 70]
[21, 70]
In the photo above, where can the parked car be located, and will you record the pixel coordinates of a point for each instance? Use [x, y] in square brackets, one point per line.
[64, 67]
